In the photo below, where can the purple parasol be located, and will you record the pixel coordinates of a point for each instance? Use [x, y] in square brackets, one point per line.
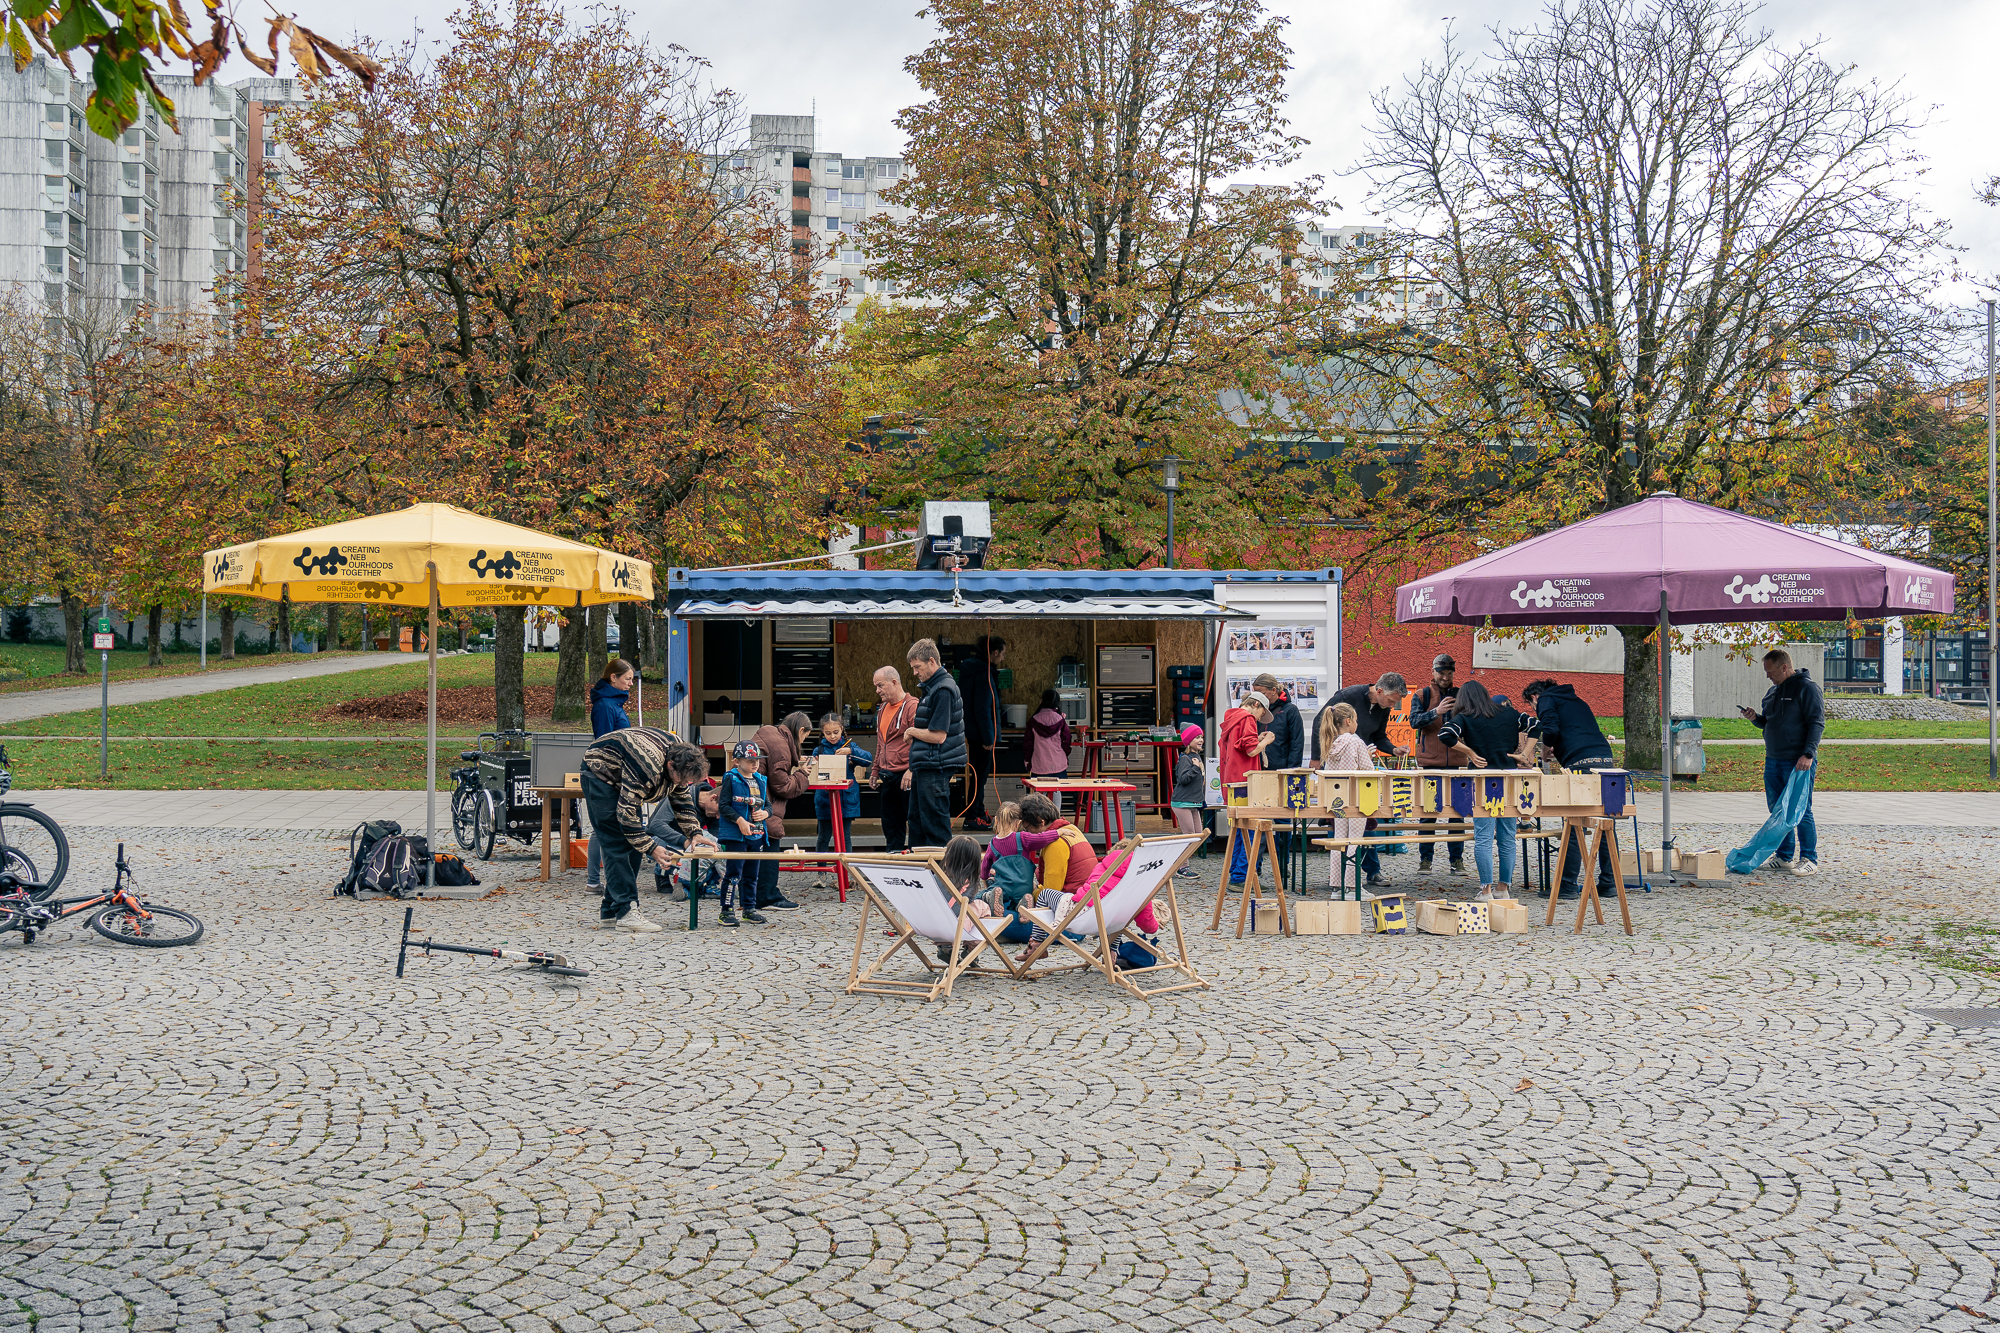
[1712, 567]
[1666, 561]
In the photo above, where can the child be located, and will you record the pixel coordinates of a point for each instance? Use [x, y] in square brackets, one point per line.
[833, 740]
[1008, 865]
[745, 805]
[1342, 750]
[1190, 788]
[961, 866]
[1048, 739]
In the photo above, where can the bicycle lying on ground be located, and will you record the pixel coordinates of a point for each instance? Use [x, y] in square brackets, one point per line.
[32, 845]
[118, 915]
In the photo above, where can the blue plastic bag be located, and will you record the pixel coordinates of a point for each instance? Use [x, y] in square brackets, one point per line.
[1791, 808]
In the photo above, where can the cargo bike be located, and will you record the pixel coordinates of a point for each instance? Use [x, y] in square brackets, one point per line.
[495, 795]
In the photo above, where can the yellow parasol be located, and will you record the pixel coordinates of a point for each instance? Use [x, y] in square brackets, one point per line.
[428, 555]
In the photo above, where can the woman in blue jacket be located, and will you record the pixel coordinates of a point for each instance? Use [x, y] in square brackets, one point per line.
[607, 714]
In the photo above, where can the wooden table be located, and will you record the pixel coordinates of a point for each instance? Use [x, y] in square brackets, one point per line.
[559, 801]
[1590, 825]
[1104, 791]
[1254, 825]
[837, 794]
[1163, 783]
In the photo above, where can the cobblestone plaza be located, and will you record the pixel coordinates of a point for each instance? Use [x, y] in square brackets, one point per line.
[1733, 1120]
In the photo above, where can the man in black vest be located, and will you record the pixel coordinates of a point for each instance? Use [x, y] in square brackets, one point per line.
[937, 748]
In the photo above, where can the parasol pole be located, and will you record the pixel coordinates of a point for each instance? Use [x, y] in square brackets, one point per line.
[1666, 737]
[431, 741]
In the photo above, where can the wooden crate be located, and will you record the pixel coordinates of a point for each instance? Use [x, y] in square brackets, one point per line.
[1265, 917]
[1508, 916]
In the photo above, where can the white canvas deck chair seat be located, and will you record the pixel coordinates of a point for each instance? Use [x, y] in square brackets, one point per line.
[916, 900]
[1107, 921]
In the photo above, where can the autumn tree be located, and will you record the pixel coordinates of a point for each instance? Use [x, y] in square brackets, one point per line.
[534, 290]
[1087, 288]
[1671, 256]
[76, 388]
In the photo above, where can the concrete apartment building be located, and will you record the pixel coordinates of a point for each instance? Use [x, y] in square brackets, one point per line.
[822, 196]
[152, 221]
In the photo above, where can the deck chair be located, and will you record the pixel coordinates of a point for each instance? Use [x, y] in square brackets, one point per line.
[1105, 921]
[911, 895]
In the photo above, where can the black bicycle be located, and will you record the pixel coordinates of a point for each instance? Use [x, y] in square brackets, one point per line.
[473, 815]
[117, 915]
[32, 846]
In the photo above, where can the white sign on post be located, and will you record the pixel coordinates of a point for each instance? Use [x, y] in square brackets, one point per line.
[103, 642]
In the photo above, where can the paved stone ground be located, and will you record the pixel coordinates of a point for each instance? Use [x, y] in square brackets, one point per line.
[1720, 1124]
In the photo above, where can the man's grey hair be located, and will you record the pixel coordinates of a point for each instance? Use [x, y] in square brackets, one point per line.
[923, 650]
[1392, 683]
[891, 670]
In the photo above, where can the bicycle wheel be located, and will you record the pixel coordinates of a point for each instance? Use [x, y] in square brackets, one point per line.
[465, 817]
[156, 927]
[487, 826]
[32, 846]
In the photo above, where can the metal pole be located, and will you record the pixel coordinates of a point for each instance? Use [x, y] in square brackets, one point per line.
[1992, 658]
[1666, 740]
[104, 704]
[204, 631]
[1170, 528]
[431, 743]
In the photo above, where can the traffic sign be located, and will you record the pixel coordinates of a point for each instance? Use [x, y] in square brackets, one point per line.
[103, 642]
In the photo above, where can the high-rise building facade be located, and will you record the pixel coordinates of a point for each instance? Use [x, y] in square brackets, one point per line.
[155, 220]
[823, 197]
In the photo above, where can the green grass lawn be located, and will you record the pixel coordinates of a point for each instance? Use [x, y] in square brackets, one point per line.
[291, 708]
[208, 765]
[1860, 768]
[43, 664]
[1736, 729]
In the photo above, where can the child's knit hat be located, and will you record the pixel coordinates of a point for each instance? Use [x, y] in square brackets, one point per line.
[1190, 734]
[746, 750]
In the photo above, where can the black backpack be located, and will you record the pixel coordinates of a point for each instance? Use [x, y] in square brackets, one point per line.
[395, 867]
[359, 844]
[450, 871]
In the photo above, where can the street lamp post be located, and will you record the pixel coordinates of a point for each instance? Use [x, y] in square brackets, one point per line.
[1170, 482]
[1992, 642]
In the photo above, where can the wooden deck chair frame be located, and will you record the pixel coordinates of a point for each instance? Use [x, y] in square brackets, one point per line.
[873, 873]
[1104, 958]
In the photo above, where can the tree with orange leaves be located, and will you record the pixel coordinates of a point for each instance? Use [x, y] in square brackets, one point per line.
[507, 277]
[1094, 289]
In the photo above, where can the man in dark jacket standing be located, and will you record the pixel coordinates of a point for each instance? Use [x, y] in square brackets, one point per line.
[1372, 705]
[1566, 725]
[937, 748]
[1792, 720]
[1430, 709]
[783, 766]
[982, 724]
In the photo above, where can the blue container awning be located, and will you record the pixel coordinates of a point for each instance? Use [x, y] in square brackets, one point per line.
[980, 594]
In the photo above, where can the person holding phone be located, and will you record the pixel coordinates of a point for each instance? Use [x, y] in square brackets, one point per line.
[1793, 719]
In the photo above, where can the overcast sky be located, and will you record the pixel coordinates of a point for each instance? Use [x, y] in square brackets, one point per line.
[845, 61]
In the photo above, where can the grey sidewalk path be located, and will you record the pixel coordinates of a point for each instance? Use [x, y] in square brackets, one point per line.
[321, 810]
[253, 740]
[1913, 809]
[236, 809]
[48, 703]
